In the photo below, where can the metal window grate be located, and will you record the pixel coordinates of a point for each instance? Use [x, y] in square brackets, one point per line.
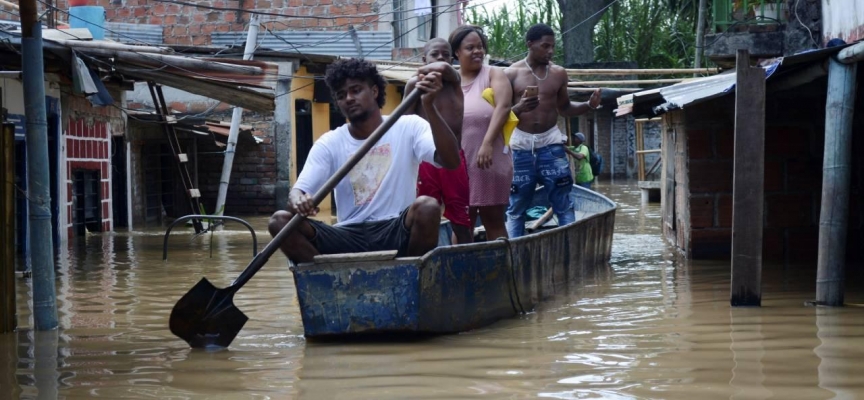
[86, 202]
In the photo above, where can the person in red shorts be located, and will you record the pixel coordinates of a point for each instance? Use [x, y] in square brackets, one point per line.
[449, 187]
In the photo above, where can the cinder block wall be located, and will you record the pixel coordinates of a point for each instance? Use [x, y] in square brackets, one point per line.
[794, 145]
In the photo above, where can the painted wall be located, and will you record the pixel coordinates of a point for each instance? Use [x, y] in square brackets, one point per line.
[87, 145]
[843, 19]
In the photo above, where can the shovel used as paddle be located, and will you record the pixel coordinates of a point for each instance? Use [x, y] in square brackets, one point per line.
[206, 315]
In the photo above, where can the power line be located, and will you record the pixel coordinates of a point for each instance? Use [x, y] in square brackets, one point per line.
[272, 14]
[569, 29]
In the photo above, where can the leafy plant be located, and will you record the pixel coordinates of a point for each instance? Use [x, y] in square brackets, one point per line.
[653, 33]
[506, 28]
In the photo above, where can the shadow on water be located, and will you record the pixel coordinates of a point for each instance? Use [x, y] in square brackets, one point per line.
[650, 325]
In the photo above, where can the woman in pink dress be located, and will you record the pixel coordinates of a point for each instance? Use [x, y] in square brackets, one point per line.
[490, 168]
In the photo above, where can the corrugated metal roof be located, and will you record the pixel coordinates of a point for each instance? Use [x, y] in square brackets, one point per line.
[134, 33]
[6, 25]
[376, 45]
[665, 99]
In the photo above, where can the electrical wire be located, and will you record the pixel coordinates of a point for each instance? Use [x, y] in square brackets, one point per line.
[272, 14]
[810, 33]
[521, 55]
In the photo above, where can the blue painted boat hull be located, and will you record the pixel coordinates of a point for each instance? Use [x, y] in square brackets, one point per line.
[454, 288]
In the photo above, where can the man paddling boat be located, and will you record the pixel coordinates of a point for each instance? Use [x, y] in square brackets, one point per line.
[377, 207]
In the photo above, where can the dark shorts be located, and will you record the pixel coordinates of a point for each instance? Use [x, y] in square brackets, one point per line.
[384, 235]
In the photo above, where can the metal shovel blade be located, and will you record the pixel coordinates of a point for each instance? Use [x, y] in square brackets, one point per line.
[205, 317]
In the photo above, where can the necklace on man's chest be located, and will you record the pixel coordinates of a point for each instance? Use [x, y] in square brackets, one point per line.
[535, 75]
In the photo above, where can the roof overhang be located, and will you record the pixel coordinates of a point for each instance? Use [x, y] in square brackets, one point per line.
[780, 73]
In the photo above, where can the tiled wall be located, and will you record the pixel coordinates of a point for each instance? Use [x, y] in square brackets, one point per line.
[88, 147]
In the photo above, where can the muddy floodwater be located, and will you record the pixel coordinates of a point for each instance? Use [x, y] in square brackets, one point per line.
[652, 325]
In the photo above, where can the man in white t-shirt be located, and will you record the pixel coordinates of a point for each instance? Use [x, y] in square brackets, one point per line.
[376, 205]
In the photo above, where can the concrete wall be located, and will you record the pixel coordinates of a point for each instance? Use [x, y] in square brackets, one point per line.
[843, 19]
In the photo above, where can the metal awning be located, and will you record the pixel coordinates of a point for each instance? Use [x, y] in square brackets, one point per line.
[807, 66]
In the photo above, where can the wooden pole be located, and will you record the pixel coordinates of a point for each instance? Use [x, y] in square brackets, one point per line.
[593, 89]
[626, 82]
[8, 309]
[852, 54]
[748, 190]
[665, 71]
[836, 170]
[110, 46]
[640, 146]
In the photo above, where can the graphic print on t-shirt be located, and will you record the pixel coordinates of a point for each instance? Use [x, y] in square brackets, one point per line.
[366, 177]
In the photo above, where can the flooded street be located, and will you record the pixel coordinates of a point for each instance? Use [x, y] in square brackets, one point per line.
[653, 326]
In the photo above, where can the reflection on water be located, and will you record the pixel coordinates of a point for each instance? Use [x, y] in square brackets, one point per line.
[654, 326]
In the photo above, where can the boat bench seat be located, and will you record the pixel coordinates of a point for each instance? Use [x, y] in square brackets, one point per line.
[355, 257]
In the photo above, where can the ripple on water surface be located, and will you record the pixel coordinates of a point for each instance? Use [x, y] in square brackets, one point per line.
[652, 326]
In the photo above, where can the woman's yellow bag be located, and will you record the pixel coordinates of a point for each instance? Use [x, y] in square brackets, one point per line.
[512, 120]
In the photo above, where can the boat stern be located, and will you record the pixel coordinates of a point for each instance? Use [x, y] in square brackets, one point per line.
[354, 294]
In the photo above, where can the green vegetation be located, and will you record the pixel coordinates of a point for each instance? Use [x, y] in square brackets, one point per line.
[506, 27]
[653, 33]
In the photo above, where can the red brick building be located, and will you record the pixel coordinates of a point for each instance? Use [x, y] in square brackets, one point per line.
[698, 155]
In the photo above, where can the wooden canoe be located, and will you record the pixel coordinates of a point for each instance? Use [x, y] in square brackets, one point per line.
[453, 288]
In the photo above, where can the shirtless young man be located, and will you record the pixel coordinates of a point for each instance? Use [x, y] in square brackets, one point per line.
[449, 187]
[537, 143]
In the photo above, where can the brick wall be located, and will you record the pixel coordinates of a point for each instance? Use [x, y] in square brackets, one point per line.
[623, 163]
[794, 145]
[87, 144]
[620, 150]
[603, 139]
[186, 25]
[251, 189]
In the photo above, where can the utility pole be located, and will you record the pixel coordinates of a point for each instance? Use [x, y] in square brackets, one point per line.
[39, 182]
[233, 132]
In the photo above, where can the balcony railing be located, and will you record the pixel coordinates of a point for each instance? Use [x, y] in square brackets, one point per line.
[748, 12]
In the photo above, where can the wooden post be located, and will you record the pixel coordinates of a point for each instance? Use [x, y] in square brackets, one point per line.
[836, 170]
[8, 318]
[748, 190]
[640, 145]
